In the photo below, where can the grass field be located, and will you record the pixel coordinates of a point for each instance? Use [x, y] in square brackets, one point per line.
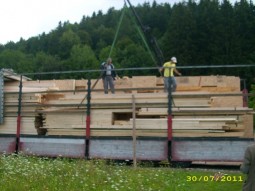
[23, 173]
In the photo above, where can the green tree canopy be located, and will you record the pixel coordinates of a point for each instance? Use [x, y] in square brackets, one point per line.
[198, 33]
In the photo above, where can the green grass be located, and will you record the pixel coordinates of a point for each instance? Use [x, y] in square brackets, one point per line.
[20, 173]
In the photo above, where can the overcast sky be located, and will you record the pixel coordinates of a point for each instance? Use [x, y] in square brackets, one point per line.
[27, 18]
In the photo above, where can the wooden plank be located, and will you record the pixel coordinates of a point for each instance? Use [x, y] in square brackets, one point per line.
[142, 133]
[69, 120]
[26, 98]
[188, 81]
[235, 101]
[32, 83]
[10, 126]
[198, 111]
[160, 98]
[204, 123]
[207, 134]
[24, 89]
[248, 124]
[65, 84]
[81, 84]
[108, 132]
[124, 82]
[144, 81]
[187, 88]
[208, 81]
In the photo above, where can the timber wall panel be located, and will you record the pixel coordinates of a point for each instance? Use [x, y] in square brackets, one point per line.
[198, 108]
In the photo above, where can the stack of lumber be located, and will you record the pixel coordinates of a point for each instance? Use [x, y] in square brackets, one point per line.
[30, 104]
[203, 106]
[231, 122]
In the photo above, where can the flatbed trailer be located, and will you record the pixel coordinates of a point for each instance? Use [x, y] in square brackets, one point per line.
[89, 145]
[121, 148]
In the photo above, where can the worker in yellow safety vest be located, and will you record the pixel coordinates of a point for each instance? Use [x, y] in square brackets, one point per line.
[169, 69]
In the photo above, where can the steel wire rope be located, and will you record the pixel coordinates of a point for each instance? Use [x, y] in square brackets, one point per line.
[112, 46]
[142, 35]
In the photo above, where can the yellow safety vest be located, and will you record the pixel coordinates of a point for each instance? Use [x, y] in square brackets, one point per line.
[169, 72]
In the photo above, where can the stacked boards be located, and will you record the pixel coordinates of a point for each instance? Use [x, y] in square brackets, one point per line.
[111, 118]
[203, 106]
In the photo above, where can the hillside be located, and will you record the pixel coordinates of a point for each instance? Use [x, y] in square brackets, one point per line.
[197, 33]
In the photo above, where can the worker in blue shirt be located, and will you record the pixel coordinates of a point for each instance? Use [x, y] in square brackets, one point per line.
[108, 75]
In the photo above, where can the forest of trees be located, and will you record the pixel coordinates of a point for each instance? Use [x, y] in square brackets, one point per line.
[201, 33]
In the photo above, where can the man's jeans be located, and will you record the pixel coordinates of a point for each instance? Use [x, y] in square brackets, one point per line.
[108, 81]
[170, 81]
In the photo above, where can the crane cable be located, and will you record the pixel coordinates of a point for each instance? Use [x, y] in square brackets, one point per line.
[139, 32]
[113, 44]
[114, 41]
[118, 28]
[144, 40]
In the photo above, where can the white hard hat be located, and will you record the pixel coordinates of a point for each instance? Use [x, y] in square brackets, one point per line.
[173, 59]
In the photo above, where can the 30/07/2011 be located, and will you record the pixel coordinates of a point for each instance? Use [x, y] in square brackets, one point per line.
[216, 177]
